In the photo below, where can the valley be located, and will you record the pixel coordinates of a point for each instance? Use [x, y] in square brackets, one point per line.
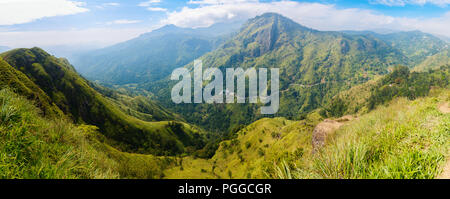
[353, 105]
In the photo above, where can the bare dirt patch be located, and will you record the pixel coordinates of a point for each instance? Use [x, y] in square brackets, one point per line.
[325, 128]
[444, 108]
[446, 171]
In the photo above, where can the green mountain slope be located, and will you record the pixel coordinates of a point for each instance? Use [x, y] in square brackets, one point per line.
[314, 66]
[400, 83]
[402, 140]
[20, 83]
[33, 147]
[435, 61]
[151, 56]
[139, 105]
[415, 45]
[73, 95]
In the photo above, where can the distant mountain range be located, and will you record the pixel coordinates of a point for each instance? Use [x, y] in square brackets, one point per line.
[332, 61]
[152, 56]
[346, 107]
[415, 45]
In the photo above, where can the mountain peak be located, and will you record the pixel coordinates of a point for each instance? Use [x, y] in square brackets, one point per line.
[275, 19]
[268, 31]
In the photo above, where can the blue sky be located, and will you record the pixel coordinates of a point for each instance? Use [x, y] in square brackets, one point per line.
[26, 23]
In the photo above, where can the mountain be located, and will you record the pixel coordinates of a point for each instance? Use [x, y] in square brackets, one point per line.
[435, 61]
[415, 45]
[70, 52]
[151, 56]
[39, 147]
[53, 81]
[443, 38]
[395, 141]
[22, 85]
[387, 121]
[314, 66]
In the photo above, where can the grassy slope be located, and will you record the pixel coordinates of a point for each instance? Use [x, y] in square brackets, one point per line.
[34, 147]
[136, 104]
[400, 83]
[253, 152]
[435, 61]
[405, 139]
[24, 86]
[73, 95]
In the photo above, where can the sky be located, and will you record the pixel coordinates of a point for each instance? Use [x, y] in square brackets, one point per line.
[99, 23]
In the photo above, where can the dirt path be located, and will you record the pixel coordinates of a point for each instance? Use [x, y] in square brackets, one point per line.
[325, 128]
[446, 171]
[444, 108]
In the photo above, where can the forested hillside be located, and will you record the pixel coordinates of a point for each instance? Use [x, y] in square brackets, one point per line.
[314, 66]
[54, 81]
[352, 106]
[151, 56]
[404, 135]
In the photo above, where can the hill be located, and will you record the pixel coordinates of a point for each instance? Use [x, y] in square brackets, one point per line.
[415, 45]
[82, 104]
[34, 147]
[435, 61]
[402, 140]
[400, 83]
[314, 66]
[151, 56]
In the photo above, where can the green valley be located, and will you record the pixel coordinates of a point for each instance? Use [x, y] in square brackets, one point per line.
[353, 105]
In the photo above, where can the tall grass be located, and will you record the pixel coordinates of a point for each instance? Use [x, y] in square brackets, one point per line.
[32, 147]
[404, 140]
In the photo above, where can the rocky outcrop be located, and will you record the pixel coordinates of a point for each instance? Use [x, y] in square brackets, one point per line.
[324, 129]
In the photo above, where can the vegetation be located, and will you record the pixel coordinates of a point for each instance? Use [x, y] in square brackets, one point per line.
[399, 83]
[379, 119]
[314, 67]
[33, 147]
[435, 61]
[152, 56]
[73, 95]
[405, 140]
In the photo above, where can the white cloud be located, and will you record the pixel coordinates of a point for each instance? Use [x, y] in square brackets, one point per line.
[441, 3]
[106, 5]
[95, 36]
[24, 11]
[315, 15]
[123, 21]
[150, 6]
[156, 9]
[149, 3]
[111, 4]
[218, 2]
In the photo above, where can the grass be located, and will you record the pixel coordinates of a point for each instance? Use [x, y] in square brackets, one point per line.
[33, 147]
[401, 140]
[252, 153]
[404, 140]
[56, 87]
